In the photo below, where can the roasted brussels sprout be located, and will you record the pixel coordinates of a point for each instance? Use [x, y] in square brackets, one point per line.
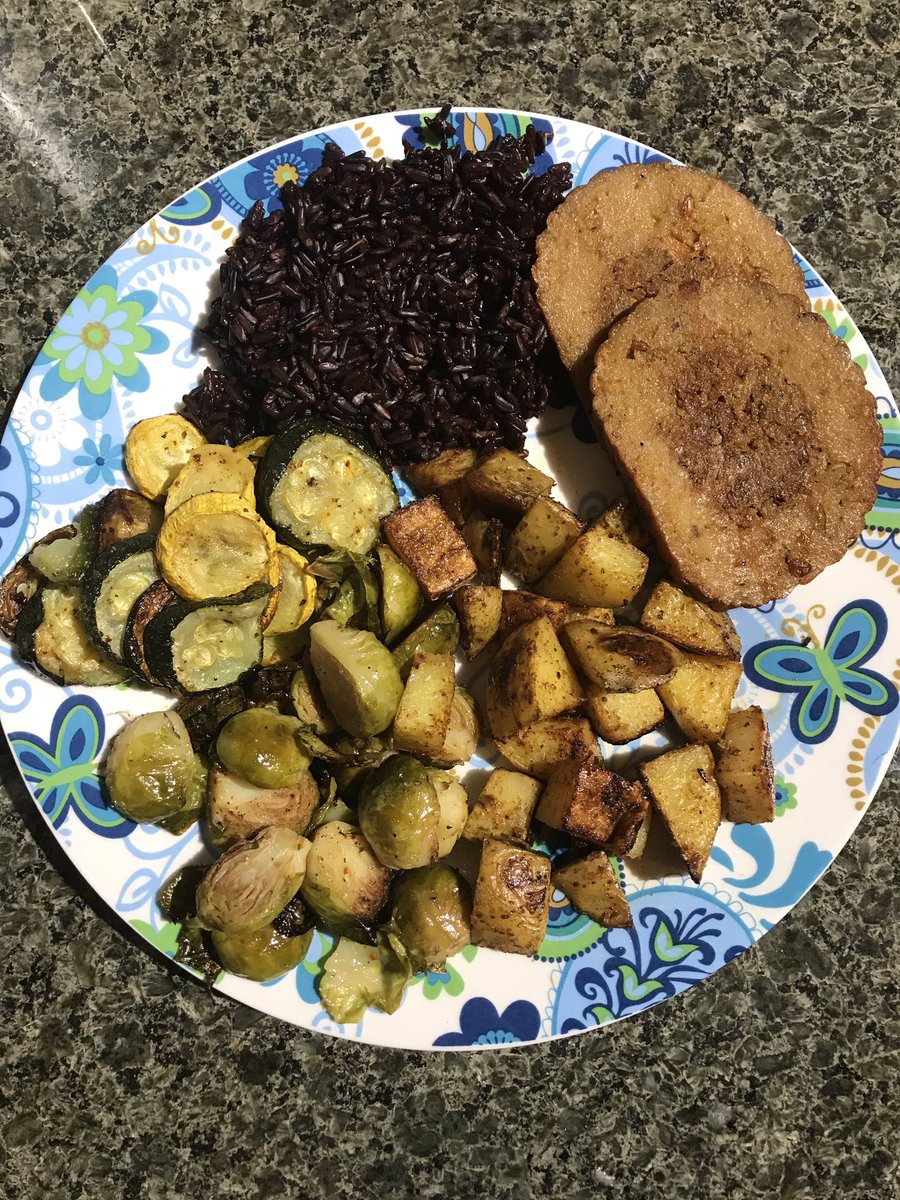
[262, 955]
[345, 884]
[205, 713]
[332, 809]
[463, 732]
[361, 685]
[400, 814]
[309, 703]
[431, 915]
[401, 598]
[195, 799]
[262, 746]
[356, 976]
[151, 767]
[253, 881]
[437, 634]
[236, 809]
[453, 804]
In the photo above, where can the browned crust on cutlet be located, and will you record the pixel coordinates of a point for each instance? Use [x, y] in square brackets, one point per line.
[632, 230]
[746, 433]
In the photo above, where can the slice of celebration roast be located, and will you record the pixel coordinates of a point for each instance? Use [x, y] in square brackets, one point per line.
[632, 230]
[746, 432]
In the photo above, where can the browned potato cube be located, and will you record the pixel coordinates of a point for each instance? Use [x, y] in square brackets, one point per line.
[620, 717]
[538, 747]
[673, 614]
[745, 773]
[501, 719]
[504, 808]
[596, 569]
[479, 608]
[635, 806]
[485, 539]
[619, 658]
[423, 716]
[640, 842]
[592, 884]
[512, 899]
[623, 520]
[699, 695]
[431, 546]
[520, 607]
[532, 672]
[683, 790]
[543, 535]
[583, 800]
[506, 485]
[445, 477]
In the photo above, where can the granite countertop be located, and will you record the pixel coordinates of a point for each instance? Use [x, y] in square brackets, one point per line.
[776, 1078]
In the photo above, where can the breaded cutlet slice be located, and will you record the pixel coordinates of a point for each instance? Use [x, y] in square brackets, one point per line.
[746, 433]
[632, 230]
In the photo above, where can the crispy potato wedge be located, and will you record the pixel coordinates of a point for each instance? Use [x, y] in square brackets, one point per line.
[744, 772]
[699, 695]
[673, 614]
[623, 520]
[512, 899]
[520, 607]
[635, 806]
[423, 716]
[592, 885]
[445, 477]
[596, 569]
[640, 842]
[539, 747]
[540, 539]
[479, 607]
[584, 800]
[504, 808]
[620, 717]
[619, 658]
[505, 485]
[425, 538]
[683, 790]
[484, 537]
[532, 672]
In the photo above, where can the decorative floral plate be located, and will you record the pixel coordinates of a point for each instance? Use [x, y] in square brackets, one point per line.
[820, 663]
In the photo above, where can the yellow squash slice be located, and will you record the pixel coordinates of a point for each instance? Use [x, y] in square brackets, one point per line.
[156, 449]
[212, 469]
[297, 599]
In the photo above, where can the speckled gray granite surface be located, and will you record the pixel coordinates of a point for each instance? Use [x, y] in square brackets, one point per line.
[778, 1077]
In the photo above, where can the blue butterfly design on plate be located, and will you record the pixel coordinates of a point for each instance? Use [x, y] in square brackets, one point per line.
[823, 676]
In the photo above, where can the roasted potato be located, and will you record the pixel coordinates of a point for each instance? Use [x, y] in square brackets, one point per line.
[532, 672]
[619, 658]
[504, 808]
[744, 772]
[592, 885]
[584, 800]
[596, 569]
[484, 537]
[425, 538]
[620, 717]
[479, 607]
[506, 485]
[673, 614]
[539, 747]
[623, 520]
[540, 539]
[512, 899]
[640, 842]
[683, 790]
[635, 806]
[501, 720]
[445, 477]
[423, 717]
[520, 607]
[699, 695]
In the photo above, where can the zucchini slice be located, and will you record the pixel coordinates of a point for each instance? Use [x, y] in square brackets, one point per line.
[119, 575]
[254, 448]
[156, 449]
[198, 647]
[62, 557]
[214, 546]
[320, 487]
[16, 589]
[123, 514]
[51, 637]
[297, 598]
[212, 469]
[144, 609]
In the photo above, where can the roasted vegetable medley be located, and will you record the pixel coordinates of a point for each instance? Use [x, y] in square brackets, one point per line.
[309, 626]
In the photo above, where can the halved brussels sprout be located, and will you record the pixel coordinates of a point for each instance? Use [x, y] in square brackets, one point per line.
[463, 732]
[263, 954]
[361, 685]
[437, 634]
[345, 883]
[309, 703]
[431, 915]
[453, 804]
[237, 809]
[400, 814]
[401, 598]
[262, 747]
[151, 767]
[253, 881]
[195, 799]
[356, 976]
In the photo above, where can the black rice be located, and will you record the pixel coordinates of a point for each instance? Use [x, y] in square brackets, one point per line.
[394, 298]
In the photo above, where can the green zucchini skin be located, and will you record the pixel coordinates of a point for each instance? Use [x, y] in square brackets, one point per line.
[71, 559]
[95, 577]
[30, 619]
[280, 453]
[156, 597]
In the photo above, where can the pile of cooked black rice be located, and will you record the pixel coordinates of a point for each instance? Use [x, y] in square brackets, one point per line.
[393, 298]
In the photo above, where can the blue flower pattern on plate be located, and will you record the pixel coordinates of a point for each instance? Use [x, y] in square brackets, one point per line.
[480, 1024]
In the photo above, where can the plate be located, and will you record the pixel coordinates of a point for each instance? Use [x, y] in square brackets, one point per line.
[126, 349]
